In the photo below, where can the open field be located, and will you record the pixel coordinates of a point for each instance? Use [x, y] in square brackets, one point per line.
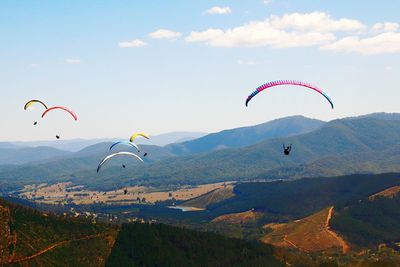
[238, 218]
[308, 234]
[390, 192]
[62, 193]
[213, 196]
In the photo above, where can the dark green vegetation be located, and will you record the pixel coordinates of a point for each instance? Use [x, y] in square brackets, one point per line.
[286, 200]
[162, 245]
[368, 223]
[31, 238]
[245, 136]
[80, 167]
[347, 146]
[36, 239]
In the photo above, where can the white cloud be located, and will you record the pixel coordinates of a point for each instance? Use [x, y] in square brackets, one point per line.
[290, 30]
[315, 21]
[384, 43]
[306, 29]
[218, 10]
[165, 34]
[388, 68]
[72, 61]
[267, 2]
[385, 27]
[34, 65]
[133, 43]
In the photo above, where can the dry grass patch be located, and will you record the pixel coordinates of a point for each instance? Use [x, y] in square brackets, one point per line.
[309, 234]
[239, 218]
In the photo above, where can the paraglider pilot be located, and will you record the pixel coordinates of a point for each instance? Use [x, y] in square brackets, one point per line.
[287, 149]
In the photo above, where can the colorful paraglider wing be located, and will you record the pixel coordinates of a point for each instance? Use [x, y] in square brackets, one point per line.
[287, 82]
[133, 137]
[62, 108]
[32, 102]
[125, 143]
[117, 154]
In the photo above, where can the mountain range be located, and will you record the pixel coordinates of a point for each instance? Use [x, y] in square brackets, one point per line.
[365, 144]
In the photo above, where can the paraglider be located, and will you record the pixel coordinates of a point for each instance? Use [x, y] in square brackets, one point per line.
[32, 102]
[133, 137]
[125, 143]
[61, 108]
[287, 82]
[117, 154]
[145, 154]
[287, 149]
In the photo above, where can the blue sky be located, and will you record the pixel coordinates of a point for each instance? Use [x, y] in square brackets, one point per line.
[111, 64]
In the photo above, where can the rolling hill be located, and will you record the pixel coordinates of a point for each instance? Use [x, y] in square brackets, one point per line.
[15, 155]
[32, 238]
[162, 245]
[308, 234]
[352, 145]
[371, 221]
[245, 136]
[362, 145]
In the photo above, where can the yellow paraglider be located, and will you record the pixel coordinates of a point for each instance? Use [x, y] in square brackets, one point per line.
[133, 137]
[31, 102]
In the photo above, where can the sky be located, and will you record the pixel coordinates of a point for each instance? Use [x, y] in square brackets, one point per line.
[163, 66]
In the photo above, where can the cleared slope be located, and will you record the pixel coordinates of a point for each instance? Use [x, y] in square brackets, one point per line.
[209, 198]
[309, 234]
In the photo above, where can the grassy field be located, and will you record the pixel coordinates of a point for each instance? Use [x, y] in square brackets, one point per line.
[309, 234]
[62, 193]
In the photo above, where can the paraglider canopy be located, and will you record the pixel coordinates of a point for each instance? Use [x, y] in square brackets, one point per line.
[287, 82]
[117, 154]
[125, 143]
[61, 108]
[32, 102]
[133, 137]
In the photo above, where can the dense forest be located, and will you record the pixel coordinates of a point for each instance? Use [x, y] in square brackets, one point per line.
[370, 222]
[162, 245]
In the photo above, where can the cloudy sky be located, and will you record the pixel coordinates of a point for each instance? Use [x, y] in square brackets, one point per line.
[161, 66]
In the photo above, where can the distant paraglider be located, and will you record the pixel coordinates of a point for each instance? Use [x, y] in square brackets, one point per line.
[32, 102]
[135, 135]
[125, 143]
[287, 149]
[117, 154]
[287, 82]
[142, 134]
[61, 108]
